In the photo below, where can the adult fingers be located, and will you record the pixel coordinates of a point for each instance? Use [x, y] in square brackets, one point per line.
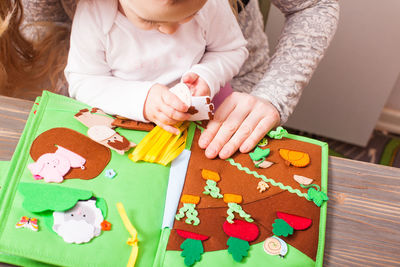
[228, 128]
[264, 126]
[245, 130]
[214, 125]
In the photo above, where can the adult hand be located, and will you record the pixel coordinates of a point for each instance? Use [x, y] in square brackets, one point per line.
[164, 108]
[240, 122]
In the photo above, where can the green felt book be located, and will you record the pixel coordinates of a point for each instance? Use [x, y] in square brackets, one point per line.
[59, 195]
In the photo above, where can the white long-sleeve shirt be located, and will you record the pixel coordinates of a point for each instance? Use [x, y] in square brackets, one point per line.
[112, 64]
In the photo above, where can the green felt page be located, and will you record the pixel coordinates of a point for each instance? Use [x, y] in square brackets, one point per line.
[141, 187]
[257, 255]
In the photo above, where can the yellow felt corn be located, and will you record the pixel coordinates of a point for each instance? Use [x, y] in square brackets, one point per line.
[160, 146]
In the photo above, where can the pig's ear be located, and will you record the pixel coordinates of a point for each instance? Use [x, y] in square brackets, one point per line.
[36, 167]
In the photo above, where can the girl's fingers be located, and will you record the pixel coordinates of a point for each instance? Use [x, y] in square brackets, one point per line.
[164, 119]
[173, 101]
[169, 128]
[173, 113]
[190, 77]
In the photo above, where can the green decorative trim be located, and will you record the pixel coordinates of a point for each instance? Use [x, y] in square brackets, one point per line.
[188, 210]
[268, 180]
[162, 247]
[212, 189]
[234, 207]
[279, 133]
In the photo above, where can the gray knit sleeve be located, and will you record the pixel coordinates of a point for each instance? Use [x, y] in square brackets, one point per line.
[308, 30]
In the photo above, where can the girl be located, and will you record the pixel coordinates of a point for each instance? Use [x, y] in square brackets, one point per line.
[125, 54]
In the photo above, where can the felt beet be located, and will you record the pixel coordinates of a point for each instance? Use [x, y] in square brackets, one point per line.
[296, 222]
[241, 233]
[192, 247]
[191, 235]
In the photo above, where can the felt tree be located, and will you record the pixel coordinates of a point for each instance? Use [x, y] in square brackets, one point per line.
[240, 234]
[211, 188]
[189, 209]
[192, 247]
[233, 202]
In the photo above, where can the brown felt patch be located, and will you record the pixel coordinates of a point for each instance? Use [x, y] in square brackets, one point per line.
[133, 125]
[261, 206]
[96, 155]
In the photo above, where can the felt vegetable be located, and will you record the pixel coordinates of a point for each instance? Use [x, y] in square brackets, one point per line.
[278, 133]
[211, 188]
[241, 233]
[160, 146]
[189, 209]
[315, 194]
[295, 221]
[263, 164]
[275, 246]
[233, 202]
[192, 246]
[281, 228]
[302, 179]
[295, 158]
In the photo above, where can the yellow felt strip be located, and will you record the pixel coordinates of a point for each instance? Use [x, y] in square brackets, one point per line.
[132, 241]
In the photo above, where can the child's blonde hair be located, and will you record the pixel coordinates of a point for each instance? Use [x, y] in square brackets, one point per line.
[29, 65]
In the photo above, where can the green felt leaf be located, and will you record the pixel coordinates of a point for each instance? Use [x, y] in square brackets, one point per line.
[192, 250]
[238, 248]
[259, 154]
[318, 197]
[102, 205]
[42, 197]
[281, 228]
[278, 133]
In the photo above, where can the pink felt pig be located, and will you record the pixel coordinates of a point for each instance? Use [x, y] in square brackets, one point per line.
[53, 166]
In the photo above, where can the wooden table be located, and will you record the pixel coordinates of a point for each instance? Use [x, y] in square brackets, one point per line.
[363, 227]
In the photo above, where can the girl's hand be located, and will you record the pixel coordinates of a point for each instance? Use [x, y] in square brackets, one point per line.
[164, 108]
[197, 85]
[240, 122]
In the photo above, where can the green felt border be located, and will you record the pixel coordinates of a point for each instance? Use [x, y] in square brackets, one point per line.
[16, 165]
[324, 188]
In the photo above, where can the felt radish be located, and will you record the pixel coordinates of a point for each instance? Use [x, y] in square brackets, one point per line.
[192, 246]
[296, 222]
[241, 233]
